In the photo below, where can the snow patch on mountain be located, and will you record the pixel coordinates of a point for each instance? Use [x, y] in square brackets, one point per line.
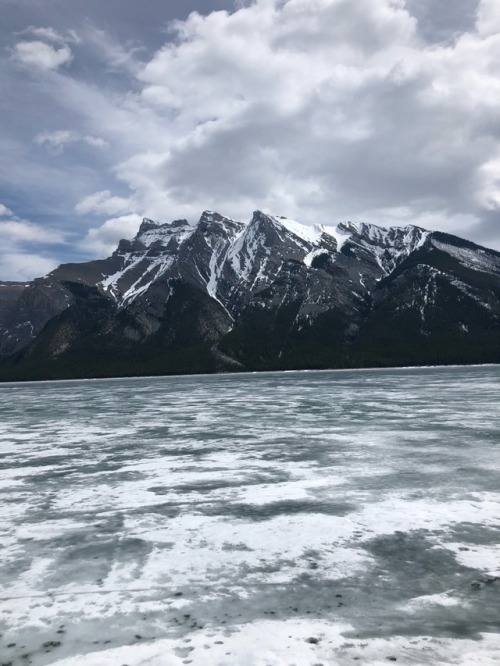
[227, 258]
[308, 259]
[153, 272]
[307, 233]
[476, 259]
[110, 283]
[243, 253]
[162, 233]
[339, 233]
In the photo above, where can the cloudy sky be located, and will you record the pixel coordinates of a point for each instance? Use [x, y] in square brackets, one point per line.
[386, 111]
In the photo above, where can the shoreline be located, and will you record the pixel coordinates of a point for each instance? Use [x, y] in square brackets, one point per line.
[243, 373]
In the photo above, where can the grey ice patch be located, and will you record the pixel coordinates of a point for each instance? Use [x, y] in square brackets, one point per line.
[257, 512]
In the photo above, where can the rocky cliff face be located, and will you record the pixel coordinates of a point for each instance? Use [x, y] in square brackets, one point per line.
[270, 294]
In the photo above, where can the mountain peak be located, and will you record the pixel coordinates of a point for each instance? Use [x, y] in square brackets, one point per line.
[147, 224]
[151, 232]
[259, 215]
[271, 293]
[210, 216]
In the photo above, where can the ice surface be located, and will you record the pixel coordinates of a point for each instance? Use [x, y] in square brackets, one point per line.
[269, 519]
[285, 643]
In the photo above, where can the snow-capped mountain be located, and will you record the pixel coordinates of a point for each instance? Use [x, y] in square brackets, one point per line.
[271, 293]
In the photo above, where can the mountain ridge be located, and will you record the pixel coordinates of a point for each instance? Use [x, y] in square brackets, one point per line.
[270, 293]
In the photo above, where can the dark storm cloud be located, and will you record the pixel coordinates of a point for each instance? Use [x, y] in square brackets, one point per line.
[322, 110]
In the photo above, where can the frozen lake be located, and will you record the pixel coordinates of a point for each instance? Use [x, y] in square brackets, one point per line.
[257, 520]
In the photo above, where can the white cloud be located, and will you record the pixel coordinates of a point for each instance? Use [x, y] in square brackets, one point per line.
[489, 184]
[49, 34]
[318, 109]
[118, 57]
[19, 266]
[315, 108]
[4, 211]
[103, 240]
[56, 142]
[41, 55]
[94, 141]
[103, 203]
[488, 18]
[21, 231]
[17, 259]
